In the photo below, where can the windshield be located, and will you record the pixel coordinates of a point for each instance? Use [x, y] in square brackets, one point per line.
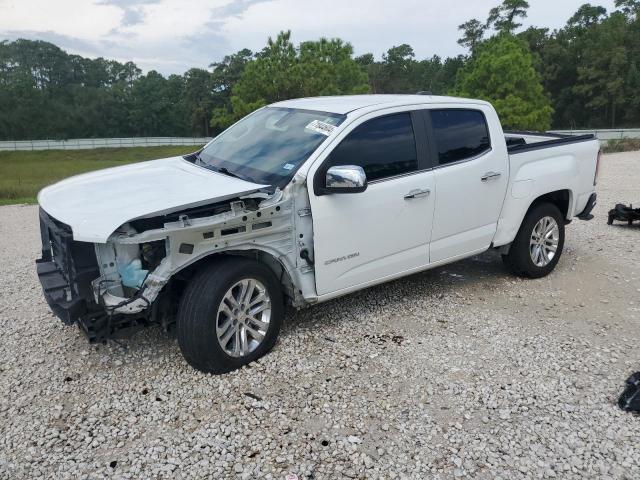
[268, 146]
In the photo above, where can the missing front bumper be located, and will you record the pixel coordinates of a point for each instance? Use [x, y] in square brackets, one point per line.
[58, 294]
[65, 270]
[92, 319]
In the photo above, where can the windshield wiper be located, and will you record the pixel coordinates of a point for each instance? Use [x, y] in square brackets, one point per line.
[224, 171]
[198, 158]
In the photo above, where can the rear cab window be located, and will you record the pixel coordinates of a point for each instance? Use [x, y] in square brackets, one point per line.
[459, 134]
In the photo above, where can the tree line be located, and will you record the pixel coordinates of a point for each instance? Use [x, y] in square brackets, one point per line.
[583, 75]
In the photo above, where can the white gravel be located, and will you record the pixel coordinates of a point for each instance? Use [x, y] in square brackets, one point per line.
[463, 371]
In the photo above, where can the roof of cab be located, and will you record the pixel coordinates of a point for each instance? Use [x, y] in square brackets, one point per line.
[342, 104]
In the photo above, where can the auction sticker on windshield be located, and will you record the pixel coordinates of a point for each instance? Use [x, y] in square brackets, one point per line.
[321, 127]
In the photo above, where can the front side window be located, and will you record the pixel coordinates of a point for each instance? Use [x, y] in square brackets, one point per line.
[269, 146]
[383, 147]
[459, 134]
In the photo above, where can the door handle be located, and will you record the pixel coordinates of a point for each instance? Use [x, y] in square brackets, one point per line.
[490, 175]
[417, 193]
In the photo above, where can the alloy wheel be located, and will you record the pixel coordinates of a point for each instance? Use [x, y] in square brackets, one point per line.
[544, 241]
[243, 317]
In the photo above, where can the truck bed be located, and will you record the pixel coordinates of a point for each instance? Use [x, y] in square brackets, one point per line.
[519, 142]
[540, 163]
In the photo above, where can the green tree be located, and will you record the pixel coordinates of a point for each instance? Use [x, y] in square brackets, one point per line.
[198, 99]
[327, 67]
[632, 115]
[449, 74]
[150, 106]
[282, 71]
[399, 70]
[270, 77]
[590, 69]
[472, 31]
[373, 70]
[603, 68]
[630, 8]
[365, 60]
[502, 72]
[227, 73]
[504, 18]
[177, 119]
[439, 77]
[535, 38]
[587, 16]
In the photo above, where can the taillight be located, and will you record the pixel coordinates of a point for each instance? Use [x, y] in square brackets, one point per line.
[595, 177]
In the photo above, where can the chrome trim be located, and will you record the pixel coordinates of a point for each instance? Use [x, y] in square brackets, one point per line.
[465, 160]
[402, 175]
[490, 175]
[345, 176]
[417, 193]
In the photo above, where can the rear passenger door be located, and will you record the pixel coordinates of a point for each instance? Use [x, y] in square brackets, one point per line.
[471, 175]
[364, 237]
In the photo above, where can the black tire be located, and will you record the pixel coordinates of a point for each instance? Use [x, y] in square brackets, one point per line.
[518, 260]
[198, 314]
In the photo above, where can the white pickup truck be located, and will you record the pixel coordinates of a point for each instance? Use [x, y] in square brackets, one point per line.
[298, 203]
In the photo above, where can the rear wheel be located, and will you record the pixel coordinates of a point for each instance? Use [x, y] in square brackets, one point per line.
[538, 245]
[229, 315]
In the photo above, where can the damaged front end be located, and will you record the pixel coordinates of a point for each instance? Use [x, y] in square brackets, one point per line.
[132, 275]
[136, 277]
[66, 272]
[82, 285]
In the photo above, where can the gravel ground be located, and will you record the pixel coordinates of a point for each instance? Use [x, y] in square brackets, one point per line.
[463, 371]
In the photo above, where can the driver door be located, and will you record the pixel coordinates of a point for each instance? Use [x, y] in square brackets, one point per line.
[363, 238]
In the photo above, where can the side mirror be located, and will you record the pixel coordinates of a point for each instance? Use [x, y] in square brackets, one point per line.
[345, 179]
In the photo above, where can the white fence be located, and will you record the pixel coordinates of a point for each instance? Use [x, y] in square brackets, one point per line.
[86, 143]
[606, 134]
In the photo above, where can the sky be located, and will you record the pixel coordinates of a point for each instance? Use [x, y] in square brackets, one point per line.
[171, 36]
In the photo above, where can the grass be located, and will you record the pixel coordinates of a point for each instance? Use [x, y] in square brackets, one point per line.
[24, 173]
[622, 145]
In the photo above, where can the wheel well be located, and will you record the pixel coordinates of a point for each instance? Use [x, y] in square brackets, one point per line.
[280, 272]
[559, 198]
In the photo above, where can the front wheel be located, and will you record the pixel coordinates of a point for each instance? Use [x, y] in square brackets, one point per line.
[229, 315]
[538, 245]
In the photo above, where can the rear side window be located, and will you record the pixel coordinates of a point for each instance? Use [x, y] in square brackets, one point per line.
[383, 147]
[459, 134]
